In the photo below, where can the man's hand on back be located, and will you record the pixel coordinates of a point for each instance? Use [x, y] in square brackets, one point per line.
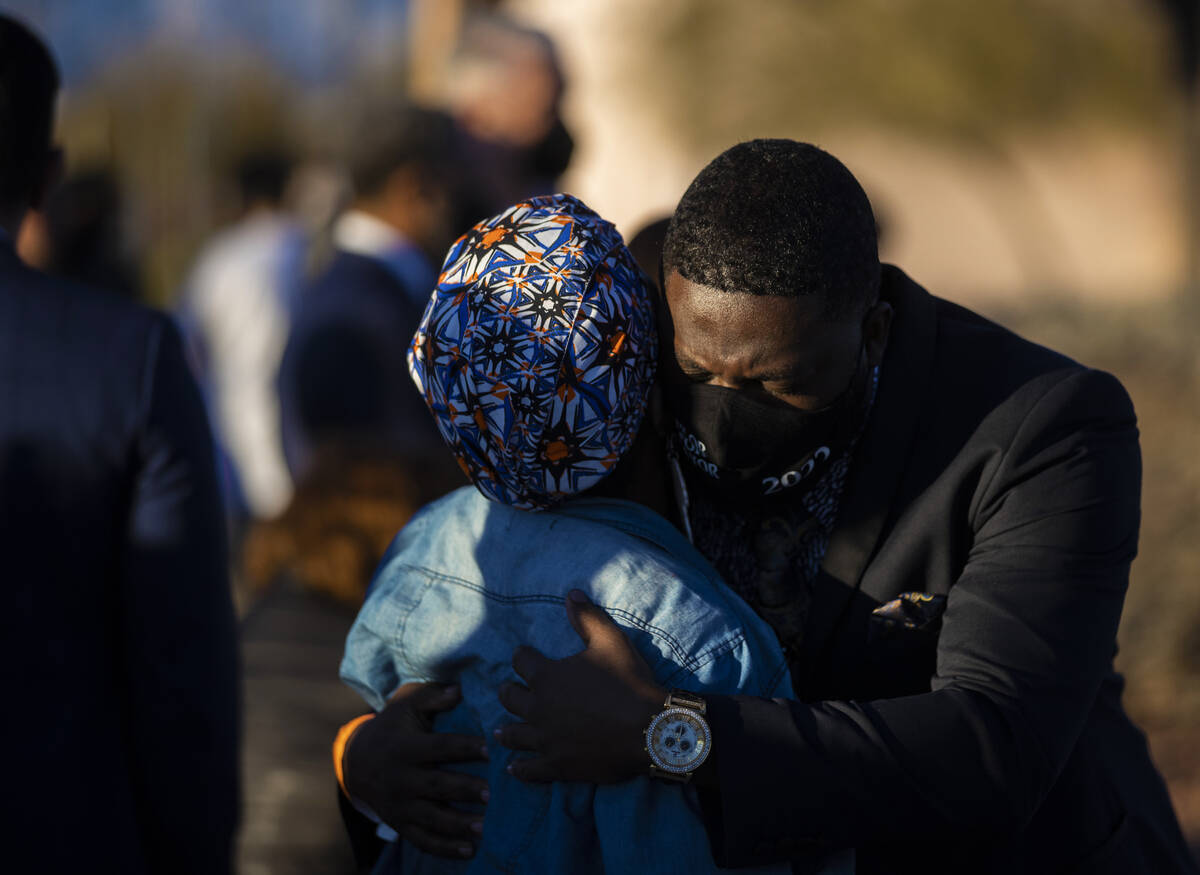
[584, 716]
[393, 765]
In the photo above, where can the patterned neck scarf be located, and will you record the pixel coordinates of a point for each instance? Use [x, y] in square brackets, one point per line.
[770, 555]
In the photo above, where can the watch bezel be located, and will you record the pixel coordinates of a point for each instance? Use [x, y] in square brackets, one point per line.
[661, 764]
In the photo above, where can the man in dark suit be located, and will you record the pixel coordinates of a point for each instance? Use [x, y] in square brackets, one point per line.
[117, 647]
[344, 374]
[936, 517]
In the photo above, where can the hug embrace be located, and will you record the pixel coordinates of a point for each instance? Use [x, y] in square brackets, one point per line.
[778, 562]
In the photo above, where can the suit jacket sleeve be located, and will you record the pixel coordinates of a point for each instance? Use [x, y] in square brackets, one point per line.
[1027, 636]
[178, 626]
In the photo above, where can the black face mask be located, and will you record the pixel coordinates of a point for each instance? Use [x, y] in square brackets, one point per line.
[745, 449]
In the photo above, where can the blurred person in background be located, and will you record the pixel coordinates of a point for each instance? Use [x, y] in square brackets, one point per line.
[503, 84]
[364, 453]
[937, 519]
[78, 235]
[235, 315]
[505, 88]
[118, 663]
[342, 516]
[343, 377]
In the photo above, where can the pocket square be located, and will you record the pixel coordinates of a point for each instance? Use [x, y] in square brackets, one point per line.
[912, 610]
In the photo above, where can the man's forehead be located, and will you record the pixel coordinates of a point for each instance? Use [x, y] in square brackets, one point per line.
[704, 316]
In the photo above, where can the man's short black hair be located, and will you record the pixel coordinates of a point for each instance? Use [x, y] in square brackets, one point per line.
[262, 175]
[28, 87]
[394, 137]
[779, 218]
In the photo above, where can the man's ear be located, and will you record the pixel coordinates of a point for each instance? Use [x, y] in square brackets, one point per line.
[52, 174]
[877, 328]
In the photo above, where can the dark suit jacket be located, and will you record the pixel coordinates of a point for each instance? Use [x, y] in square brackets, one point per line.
[117, 649]
[344, 372]
[991, 738]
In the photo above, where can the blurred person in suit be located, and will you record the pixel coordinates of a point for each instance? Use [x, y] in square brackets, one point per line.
[343, 375]
[117, 647]
[78, 234]
[236, 316]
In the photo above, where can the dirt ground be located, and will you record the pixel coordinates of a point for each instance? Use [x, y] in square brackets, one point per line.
[292, 643]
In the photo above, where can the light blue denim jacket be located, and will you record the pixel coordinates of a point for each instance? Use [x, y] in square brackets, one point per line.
[468, 580]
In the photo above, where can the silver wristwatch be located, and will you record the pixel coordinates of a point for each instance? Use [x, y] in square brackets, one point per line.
[678, 739]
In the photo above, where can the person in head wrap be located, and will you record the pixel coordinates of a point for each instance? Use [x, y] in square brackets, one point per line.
[537, 352]
[536, 356]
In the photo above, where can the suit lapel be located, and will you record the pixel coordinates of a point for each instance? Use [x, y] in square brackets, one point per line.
[879, 459]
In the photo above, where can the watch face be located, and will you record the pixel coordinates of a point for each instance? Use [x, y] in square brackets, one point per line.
[678, 740]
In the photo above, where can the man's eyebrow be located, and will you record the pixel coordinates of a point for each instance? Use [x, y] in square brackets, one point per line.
[687, 363]
[690, 366]
[778, 376]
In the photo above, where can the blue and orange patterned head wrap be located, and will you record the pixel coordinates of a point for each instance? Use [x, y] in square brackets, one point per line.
[537, 351]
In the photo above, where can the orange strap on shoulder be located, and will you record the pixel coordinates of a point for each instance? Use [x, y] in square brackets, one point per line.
[340, 741]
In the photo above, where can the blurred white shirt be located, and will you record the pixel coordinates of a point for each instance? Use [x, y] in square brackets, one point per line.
[364, 234]
[236, 313]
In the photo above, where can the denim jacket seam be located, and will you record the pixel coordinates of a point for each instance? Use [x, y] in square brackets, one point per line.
[677, 648]
[707, 657]
[688, 663]
[402, 625]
